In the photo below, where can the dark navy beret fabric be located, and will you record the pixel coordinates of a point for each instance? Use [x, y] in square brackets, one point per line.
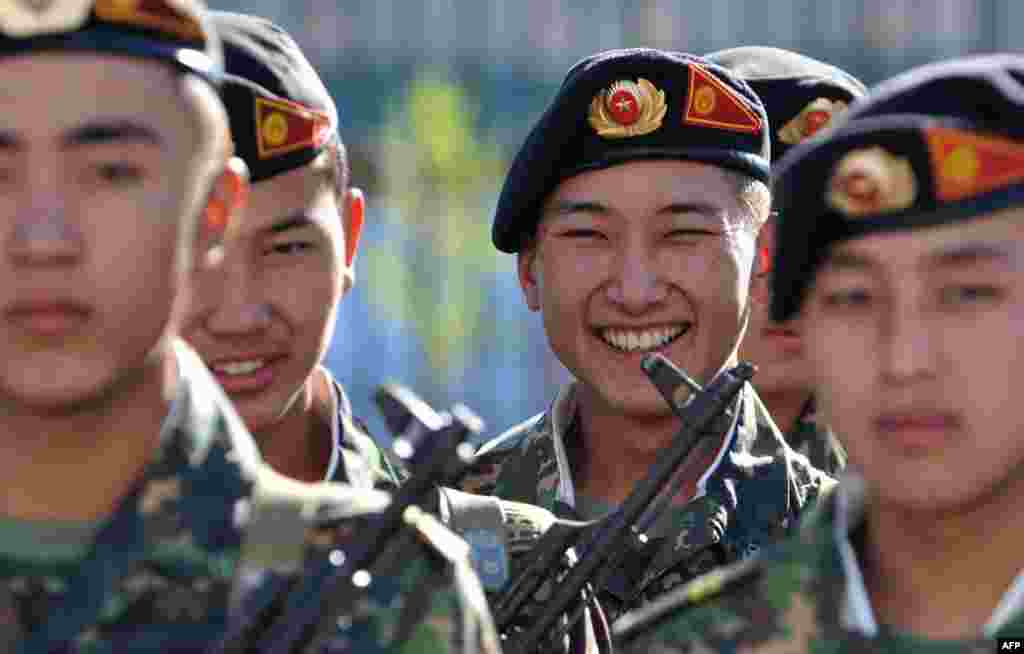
[262, 61]
[178, 34]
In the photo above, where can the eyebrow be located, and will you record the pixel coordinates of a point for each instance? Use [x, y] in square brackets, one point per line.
[94, 133]
[116, 131]
[295, 220]
[970, 253]
[849, 261]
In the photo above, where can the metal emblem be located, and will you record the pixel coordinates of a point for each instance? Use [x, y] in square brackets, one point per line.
[870, 181]
[627, 109]
[27, 18]
[817, 115]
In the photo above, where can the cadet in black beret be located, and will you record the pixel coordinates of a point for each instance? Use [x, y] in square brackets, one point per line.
[634, 206]
[802, 96]
[901, 244]
[116, 184]
[263, 340]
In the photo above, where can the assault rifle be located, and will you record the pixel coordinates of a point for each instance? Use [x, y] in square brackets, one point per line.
[593, 551]
[434, 447]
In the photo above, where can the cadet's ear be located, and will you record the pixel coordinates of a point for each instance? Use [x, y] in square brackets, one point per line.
[226, 200]
[760, 280]
[355, 212]
[527, 278]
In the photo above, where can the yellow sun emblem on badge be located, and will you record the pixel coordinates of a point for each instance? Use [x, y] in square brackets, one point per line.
[704, 101]
[627, 108]
[275, 129]
[961, 165]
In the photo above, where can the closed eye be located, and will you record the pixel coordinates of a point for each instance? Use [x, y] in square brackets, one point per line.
[689, 233]
[290, 247]
[581, 233]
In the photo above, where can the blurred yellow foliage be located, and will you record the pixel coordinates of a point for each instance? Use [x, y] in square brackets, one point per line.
[439, 177]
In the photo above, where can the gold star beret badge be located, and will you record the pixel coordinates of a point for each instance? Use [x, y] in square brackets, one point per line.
[870, 181]
[26, 18]
[814, 117]
[627, 108]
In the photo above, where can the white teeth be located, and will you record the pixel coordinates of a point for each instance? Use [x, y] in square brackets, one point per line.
[240, 367]
[633, 340]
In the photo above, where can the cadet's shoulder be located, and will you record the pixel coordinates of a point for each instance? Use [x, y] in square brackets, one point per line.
[766, 601]
[293, 524]
[493, 454]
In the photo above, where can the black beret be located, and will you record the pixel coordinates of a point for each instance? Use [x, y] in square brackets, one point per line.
[938, 144]
[175, 31]
[622, 105]
[281, 114]
[800, 94]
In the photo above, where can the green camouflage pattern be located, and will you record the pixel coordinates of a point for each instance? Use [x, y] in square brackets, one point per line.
[755, 495]
[358, 459]
[816, 441]
[789, 599]
[207, 529]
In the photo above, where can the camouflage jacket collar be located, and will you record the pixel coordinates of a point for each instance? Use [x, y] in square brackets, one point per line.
[846, 511]
[809, 436]
[558, 431]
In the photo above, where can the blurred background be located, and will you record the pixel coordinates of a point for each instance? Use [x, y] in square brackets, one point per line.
[435, 96]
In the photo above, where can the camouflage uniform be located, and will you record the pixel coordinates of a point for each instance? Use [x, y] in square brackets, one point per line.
[816, 441]
[798, 597]
[204, 533]
[532, 463]
[356, 458]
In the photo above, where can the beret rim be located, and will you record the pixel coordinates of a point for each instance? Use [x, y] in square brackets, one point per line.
[110, 40]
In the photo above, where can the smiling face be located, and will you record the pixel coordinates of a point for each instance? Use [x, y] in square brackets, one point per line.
[913, 340]
[263, 321]
[97, 169]
[641, 257]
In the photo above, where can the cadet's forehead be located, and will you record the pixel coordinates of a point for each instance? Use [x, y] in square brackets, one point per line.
[51, 91]
[995, 238]
[647, 184]
[296, 199]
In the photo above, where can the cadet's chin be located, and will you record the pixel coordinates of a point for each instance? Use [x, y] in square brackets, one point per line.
[54, 399]
[641, 403]
[65, 385]
[934, 497]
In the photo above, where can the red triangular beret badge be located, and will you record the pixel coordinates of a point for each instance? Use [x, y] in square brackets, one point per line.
[710, 103]
[283, 127]
[965, 164]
